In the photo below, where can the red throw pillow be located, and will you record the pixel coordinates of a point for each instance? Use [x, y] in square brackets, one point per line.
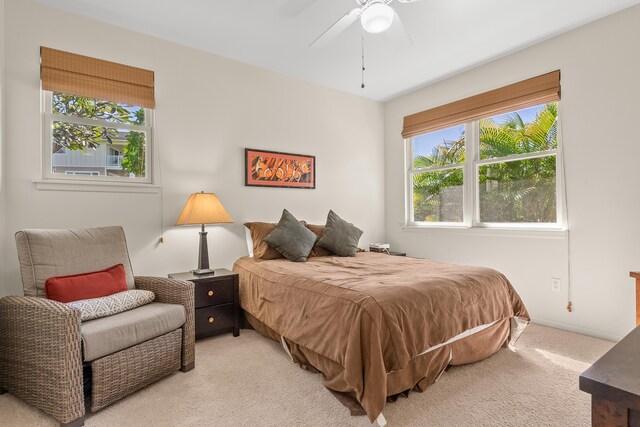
[87, 285]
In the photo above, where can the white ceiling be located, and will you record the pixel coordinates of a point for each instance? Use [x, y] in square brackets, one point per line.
[448, 35]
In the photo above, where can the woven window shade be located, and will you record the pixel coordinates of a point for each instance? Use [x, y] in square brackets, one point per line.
[94, 78]
[527, 93]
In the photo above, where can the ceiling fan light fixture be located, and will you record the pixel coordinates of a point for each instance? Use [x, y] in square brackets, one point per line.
[377, 17]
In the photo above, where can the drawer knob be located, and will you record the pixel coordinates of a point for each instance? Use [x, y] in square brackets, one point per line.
[211, 319]
[210, 293]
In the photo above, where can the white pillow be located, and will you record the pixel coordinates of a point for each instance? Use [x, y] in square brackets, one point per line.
[247, 234]
[96, 308]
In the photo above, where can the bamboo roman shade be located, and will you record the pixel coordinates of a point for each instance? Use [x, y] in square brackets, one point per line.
[94, 78]
[527, 93]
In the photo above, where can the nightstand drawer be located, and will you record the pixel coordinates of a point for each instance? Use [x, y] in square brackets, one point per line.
[214, 292]
[212, 320]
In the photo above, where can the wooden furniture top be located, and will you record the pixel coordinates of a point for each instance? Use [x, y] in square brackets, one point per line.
[616, 375]
[187, 275]
[635, 274]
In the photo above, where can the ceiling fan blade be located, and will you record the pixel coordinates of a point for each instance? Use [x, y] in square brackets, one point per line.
[337, 28]
[292, 8]
[398, 34]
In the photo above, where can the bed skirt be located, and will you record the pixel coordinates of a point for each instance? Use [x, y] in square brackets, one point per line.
[417, 375]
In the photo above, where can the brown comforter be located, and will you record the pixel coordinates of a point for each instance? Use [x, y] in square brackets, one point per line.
[373, 314]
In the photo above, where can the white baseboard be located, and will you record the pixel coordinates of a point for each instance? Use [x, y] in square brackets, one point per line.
[578, 329]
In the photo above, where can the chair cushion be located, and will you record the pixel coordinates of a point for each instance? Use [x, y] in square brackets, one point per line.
[95, 308]
[52, 253]
[111, 334]
[88, 285]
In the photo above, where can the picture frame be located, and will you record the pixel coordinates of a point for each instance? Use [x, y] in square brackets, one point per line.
[278, 169]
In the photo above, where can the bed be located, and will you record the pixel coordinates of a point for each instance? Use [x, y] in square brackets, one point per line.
[377, 325]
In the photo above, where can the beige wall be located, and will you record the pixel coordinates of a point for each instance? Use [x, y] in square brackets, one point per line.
[599, 109]
[208, 110]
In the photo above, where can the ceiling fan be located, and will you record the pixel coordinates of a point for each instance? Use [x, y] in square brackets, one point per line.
[376, 16]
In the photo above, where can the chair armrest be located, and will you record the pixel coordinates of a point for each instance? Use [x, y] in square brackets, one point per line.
[170, 291]
[181, 292]
[41, 355]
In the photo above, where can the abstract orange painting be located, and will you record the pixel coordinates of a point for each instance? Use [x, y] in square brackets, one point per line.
[276, 169]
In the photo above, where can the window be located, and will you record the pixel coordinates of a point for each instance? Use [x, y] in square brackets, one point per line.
[499, 170]
[437, 175]
[95, 139]
[487, 160]
[516, 170]
[97, 118]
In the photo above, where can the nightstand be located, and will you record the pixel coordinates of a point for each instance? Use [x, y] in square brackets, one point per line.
[216, 301]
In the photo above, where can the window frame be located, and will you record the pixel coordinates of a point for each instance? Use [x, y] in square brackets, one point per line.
[48, 118]
[471, 184]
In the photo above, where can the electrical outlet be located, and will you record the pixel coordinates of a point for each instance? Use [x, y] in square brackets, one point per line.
[555, 284]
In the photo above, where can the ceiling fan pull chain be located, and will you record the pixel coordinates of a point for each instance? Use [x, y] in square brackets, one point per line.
[362, 81]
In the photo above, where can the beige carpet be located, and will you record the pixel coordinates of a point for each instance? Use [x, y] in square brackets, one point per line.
[250, 381]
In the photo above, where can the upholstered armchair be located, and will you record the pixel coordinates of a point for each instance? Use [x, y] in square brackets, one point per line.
[52, 360]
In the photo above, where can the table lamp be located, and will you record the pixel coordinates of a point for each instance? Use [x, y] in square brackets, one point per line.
[203, 208]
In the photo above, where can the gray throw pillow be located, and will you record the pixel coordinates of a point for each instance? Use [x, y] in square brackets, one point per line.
[291, 238]
[339, 236]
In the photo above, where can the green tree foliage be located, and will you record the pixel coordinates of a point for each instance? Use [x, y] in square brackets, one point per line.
[81, 137]
[437, 196]
[514, 136]
[134, 151]
[515, 191]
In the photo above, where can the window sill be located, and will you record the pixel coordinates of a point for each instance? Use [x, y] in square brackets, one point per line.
[536, 233]
[97, 186]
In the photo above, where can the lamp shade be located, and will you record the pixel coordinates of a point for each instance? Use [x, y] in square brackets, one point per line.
[377, 17]
[203, 208]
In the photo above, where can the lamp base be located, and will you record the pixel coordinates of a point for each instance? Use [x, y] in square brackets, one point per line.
[202, 271]
[203, 256]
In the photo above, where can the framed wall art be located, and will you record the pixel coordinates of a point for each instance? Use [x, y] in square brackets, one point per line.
[276, 169]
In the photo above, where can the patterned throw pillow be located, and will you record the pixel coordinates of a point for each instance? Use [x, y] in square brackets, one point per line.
[96, 308]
